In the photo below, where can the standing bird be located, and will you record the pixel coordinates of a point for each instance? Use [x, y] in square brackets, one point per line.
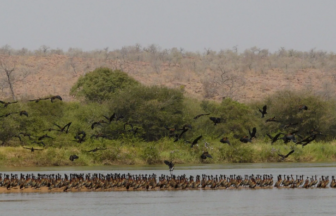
[170, 165]
[263, 111]
[283, 157]
[195, 141]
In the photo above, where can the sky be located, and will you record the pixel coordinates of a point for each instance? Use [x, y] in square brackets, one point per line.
[194, 25]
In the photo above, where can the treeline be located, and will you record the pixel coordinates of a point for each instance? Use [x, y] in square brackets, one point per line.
[150, 110]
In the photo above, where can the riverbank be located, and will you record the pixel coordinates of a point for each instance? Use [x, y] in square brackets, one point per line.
[143, 153]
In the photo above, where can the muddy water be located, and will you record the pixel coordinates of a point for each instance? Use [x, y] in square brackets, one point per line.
[202, 202]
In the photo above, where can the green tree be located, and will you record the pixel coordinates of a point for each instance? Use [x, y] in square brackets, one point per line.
[100, 84]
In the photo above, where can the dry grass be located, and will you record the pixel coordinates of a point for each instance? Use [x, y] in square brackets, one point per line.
[249, 76]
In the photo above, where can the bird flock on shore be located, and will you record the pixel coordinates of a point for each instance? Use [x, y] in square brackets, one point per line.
[117, 181]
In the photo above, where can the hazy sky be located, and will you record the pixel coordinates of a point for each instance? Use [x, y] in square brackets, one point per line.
[190, 24]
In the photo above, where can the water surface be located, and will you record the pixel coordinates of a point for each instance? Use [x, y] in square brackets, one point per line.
[190, 202]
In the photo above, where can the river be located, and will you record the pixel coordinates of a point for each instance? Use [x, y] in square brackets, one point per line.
[190, 202]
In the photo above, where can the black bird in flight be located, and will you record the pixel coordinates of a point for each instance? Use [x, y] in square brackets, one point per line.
[7, 103]
[195, 141]
[170, 165]
[96, 149]
[303, 107]
[44, 136]
[98, 123]
[80, 136]
[225, 140]
[307, 140]
[253, 133]
[275, 138]
[32, 149]
[215, 120]
[263, 111]
[111, 118]
[61, 129]
[179, 136]
[200, 115]
[272, 120]
[73, 157]
[290, 125]
[283, 157]
[205, 155]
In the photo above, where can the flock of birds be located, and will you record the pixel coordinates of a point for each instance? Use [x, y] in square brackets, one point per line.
[117, 181]
[175, 132]
[286, 137]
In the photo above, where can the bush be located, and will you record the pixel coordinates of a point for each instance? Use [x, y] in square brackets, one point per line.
[151, 155]
[284, 105]
[100, 84]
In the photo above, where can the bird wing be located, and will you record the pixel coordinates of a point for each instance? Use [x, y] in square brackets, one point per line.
[196, 117]
[291, 152]
[168, 163]
[269, 136]
[93, 124]
[265, 108]
[196, 140]
[57, 126]
[112, 117]
[183, 133]
[281, 155]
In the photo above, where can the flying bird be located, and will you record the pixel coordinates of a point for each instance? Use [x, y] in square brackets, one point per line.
[170, 165]
[303, 107]
[275, 138]
[200, 115]
[205, 155]
[225, 140]
[195, 141]
[97, 123]
[263, 111]
[215, 120]
[61, 129]
[96, 149]
[73, 157]
[32, 149]
[283, 157]
[7, 103]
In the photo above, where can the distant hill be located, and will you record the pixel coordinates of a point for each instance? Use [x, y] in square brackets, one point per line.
[247, 76]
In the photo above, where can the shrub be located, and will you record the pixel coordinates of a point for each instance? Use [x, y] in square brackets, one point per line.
[284, 105]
